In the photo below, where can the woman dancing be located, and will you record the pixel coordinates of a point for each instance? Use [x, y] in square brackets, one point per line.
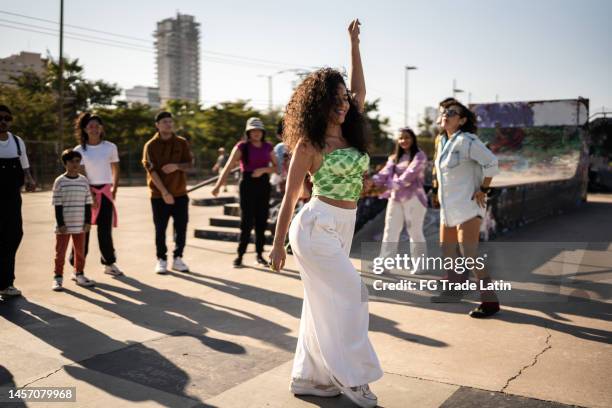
[325, 130]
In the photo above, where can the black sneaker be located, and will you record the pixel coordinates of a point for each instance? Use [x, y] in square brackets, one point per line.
[485, 309]
[238, 262]
[262, 261]
[448, 296]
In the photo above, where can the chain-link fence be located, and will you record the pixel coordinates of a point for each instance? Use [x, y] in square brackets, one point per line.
[46, 165]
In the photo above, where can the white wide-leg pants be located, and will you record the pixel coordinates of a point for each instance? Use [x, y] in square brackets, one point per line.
[412, 213]
[333, 338]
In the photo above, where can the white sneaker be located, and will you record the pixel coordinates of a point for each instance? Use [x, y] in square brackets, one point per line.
[57, 283]
[161, 267]
[112, 270]
[360, 395]
[82, 280]
[305, 387]
[10, 291]
[179, 265]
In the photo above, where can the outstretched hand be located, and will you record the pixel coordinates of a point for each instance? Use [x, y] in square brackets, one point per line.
[353, 30]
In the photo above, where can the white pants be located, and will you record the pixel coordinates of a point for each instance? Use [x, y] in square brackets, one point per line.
[412, 213]
[333, 338]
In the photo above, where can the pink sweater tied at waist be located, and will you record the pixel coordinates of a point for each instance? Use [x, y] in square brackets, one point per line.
[98, 193]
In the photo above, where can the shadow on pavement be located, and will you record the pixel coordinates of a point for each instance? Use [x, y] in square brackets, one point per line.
[71, 337]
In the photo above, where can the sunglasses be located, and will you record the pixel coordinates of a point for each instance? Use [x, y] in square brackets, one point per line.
[6, 118]
[449, 113]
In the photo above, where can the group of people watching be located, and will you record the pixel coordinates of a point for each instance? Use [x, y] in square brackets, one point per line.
[325, 136]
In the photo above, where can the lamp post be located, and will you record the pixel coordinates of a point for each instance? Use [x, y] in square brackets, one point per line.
[407, 68]
[270, 93]
[299, 72]
[455, 89]
[61, 78]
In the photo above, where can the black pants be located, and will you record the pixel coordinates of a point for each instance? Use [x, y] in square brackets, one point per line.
[162, 212]
[104, 226]
[11, 232]
[254, 210]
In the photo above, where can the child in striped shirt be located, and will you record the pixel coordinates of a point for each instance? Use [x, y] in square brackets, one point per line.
[72, 201]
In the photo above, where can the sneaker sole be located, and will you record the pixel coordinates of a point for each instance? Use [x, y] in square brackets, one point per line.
[60, 289]
[350, 394]
[83, 285]
[114, 273]
[180, 270]
[296, 390]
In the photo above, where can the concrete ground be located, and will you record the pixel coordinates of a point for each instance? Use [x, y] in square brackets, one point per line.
[224, 337]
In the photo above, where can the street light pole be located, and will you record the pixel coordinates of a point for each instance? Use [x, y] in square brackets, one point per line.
[61, 78]
[270, 104]
[407, 69]
[270, 77]
[455, 89]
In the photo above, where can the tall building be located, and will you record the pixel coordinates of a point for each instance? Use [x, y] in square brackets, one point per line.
[146, 95]
[177, 41]
[15, 65]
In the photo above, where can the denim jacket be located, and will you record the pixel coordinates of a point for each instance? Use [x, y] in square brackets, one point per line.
[462, 162]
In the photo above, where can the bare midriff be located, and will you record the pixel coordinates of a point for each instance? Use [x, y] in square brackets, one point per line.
[347, 205]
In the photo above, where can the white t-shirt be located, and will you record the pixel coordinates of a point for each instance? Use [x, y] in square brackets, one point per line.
[8, 150]
[97, 160]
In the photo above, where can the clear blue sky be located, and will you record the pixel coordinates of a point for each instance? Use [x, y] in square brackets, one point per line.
[519, 50]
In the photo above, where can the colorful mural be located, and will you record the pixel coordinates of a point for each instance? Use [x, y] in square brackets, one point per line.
[542, 151]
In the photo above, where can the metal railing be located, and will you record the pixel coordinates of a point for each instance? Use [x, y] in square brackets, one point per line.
[211, 180]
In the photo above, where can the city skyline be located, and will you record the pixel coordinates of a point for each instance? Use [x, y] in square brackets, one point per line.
[549, 50]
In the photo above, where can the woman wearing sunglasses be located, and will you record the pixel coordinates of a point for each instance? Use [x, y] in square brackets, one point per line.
[464, 169]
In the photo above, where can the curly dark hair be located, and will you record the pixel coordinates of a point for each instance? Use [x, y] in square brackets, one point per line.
[470, 125]
[307, 113]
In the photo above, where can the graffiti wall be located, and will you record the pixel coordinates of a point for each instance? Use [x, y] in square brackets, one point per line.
[542, 151]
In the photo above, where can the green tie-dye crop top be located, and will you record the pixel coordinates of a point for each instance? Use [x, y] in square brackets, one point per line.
[341, 174]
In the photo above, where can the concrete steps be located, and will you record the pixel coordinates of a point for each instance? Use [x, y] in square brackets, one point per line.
[226, 234]
[232, 209]
[230, 221]
[213, 201]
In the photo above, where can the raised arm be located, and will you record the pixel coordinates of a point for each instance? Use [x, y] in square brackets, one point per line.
[301, 162]
[357, 79]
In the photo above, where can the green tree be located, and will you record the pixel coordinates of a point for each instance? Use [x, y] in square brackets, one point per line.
[381, 143]
[426, 127]
[129, 127]
[427, 133]
[224, 123]
[32, 118]
[80, 94]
